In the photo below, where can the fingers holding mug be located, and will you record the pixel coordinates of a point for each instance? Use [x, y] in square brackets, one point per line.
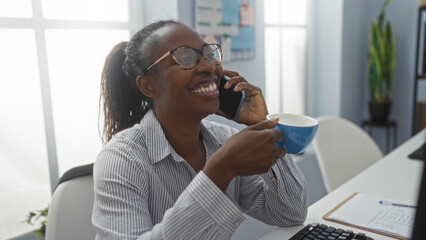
[298, 131]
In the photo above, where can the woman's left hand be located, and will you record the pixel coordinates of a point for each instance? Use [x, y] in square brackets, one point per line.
[253, 109]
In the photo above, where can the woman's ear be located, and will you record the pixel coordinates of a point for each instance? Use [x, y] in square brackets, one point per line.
[147, 86]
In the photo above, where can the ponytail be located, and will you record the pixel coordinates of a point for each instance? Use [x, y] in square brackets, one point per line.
[123, 103]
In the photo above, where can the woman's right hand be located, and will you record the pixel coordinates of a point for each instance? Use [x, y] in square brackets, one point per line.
[251, 151]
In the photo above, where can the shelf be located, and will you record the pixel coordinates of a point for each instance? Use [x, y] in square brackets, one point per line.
[422, 76]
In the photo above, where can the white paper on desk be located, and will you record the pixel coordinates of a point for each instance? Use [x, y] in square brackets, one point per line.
[364, 210]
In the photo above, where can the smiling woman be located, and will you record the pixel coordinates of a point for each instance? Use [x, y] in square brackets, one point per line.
[167, 173]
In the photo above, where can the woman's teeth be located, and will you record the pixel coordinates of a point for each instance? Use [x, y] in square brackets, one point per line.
[205, 89]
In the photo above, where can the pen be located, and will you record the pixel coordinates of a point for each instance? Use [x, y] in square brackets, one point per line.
[395, 204]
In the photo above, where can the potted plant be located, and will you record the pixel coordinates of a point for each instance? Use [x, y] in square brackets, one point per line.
[34, 217]
[381, 67]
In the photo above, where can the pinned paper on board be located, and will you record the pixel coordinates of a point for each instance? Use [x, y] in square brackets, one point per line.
[244, 40]
[229, 23]
[230, 11]
[208, 18]
[226, 48]
[246, 15]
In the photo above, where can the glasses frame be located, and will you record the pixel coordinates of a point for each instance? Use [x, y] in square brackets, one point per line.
[197, 51]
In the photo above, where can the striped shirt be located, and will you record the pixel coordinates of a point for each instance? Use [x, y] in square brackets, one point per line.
[145, 190]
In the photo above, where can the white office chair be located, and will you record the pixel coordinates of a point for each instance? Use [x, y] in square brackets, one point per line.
[343, 150]
[70, 210]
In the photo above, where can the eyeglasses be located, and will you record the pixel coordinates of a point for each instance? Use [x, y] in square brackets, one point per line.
[187, 57]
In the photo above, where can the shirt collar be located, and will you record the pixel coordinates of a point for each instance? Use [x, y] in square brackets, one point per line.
[156, 142]
[158, 146]
[211, 143]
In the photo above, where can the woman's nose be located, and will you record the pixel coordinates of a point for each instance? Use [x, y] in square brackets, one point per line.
[204, 65]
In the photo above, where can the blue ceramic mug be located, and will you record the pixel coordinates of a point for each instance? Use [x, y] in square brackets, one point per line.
[298, 130]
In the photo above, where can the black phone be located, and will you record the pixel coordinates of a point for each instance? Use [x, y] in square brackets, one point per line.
[229, 101]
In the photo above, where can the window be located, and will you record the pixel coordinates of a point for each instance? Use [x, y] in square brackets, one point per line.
[285, 47]
[24, 176]
[74, 73]
[52, 57]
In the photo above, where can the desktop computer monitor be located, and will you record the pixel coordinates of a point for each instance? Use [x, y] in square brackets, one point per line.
[419, 231]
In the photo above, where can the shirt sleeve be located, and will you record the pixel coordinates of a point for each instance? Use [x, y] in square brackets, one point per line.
[277, 197]
[121, 210]
[201, 212]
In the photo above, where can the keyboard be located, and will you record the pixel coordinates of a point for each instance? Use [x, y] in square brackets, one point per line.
[419, 153]
[316, 231]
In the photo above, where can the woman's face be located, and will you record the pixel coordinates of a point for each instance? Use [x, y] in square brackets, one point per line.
[178, 89]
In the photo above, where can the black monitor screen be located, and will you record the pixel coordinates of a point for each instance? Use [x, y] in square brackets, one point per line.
[420, 220]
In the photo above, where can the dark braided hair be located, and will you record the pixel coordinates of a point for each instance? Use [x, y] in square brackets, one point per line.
[123, 103]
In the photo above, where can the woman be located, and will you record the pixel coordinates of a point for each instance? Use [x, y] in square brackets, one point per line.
[166, 173]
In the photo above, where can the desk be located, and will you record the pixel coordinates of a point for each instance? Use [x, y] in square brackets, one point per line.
[393, 177]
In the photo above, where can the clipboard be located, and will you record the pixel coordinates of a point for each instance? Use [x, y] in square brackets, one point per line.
[327, 217]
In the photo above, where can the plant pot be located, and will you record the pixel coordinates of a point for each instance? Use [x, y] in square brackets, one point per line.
[379, 111]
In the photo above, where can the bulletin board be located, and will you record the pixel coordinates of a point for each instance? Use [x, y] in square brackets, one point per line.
[229, 23]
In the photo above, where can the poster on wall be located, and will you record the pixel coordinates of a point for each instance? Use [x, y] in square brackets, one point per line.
[209, 20]
[244, 40]
[229, 23]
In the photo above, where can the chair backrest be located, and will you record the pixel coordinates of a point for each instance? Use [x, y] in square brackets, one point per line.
[343, 150]
[70, 209]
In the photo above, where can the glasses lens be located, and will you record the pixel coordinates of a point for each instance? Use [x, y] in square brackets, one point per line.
[186, 57]
[213, 53]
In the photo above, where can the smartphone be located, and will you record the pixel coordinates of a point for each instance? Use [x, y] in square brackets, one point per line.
[229, 101]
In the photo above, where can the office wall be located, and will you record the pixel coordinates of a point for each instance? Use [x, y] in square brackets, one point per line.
[403, 16]
[354, 58]
[326, 51]
[154, 10]
[340, 44]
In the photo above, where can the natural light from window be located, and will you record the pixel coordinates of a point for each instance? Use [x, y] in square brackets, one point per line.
[24, 172]
[285, 49]
[50, 79]
[16, 8]
[75, 85]
[89, 10]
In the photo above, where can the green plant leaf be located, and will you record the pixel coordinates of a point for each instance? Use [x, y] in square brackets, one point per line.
[375, 66]
[389, 61]
[374, 74]
[38, 234]
[378, 42]
[34, 216]
[381, 59]
[382, 13]
[43, 212]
